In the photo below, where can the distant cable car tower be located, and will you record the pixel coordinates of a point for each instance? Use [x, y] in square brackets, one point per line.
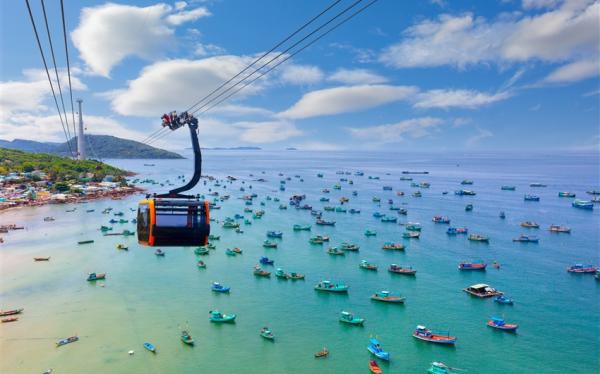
[80, 135]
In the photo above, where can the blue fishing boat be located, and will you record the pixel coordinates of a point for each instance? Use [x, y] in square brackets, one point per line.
[327, 286]
[266, 261]
[274, 234]
[531, 198]
[508, 188]
[378, 215]
[501, 299]
[583, 204]
[502, 215]
[68, 340]
[526, 239]
[149, 346]
[159, 252]
[465, 193]
[217, 287]
[375, 349]
[498, 323]
[457, 230]
[440, 219]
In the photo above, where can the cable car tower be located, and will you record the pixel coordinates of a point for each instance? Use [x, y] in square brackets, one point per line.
[174, 219]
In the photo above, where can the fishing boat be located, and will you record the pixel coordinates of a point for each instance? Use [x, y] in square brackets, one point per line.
[335, 251]
[219, 288]
[502, 215]
[457, 230]
[378, 215]
[96, 276]
[375, 369]
[376, 349]
[440, 368]
[211, 246]
[316, 240]
[465, 193]
[508, 188]
[230, 225]
[566, 194]
[597, 275]
[468, 207]
[9, 319]
[387, 188]
[440, 219]
[10, 312]
[339, 209]
[530, 225]
[201, 264]
[269, 244]
[472, 266]
[387, 297]
[201, 251]
[498, 323]
[329, 208]
[531, 198]
[559, 229]
[259, 272]
[70, 339]
[216, 316]
[526, 239]
[149, 346]
[159, 253]
[267, 334]
[583, 204]
[274, 234]
[296, 276]
[389, 246]
[41, 258]
[367, 266]
[412, 226]
[327, 286]
[388, 219]
[85, 242]
[582, 268]
[351, 319]
[397, 269]
[214, 237]
[301, 227]
[593, 192]
[501, 299]
[127, 233]
[345, 246]
[105, 228]
[279, 273]
[478, 238]
[537, 184]
[122, 247]
[417, 194]
[370, 232]
[423, 333]
[466, 182]
[411, 235]
[322, 222]
[49, 219]
[322, 353]
[482, 290]
[186, 337]
[266, 261]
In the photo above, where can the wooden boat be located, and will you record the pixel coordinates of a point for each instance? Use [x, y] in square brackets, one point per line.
[501, 299]
[423, 333]
[388, 219]
[217, 287]
[259, 272]
[370, 233]
[105, 228]
[559, 229]
[413, 226]
[269, 244]
[201, 264]
[266, 261]
[393, 246]
[526, 239]
[85, 242]
[482, 290]
[441, 219]
[468, 207]
[440, 368]
[327, 286]
[498, 323]
[127, 233]
[201, 251]
[508, 188]
[322, 353]
[349, 318]
[149, 346]
[186, 337]
[479, 238]
[322, 222]
[335, 251]
[159, 252]
[376, 349]
[465, 193]
[375, 369]
[49, 219]
[387, 297]
[583, 204]
[349, 247]
[411, 235]
[9, 319]
[397, 269]
[279, 273]
[237, 250]
[122, 247]
[267, 334]
[41, 258]
[531, 198]
[295, 276]
[530, 225]
[96, 276]
[68, 340]
[457, 230]
[214, 237]
[11, 312]
[472, 266]
[216, 316]
[301, 227]
[274, 234]
[367, 266]
[566, 194]
[582, 268]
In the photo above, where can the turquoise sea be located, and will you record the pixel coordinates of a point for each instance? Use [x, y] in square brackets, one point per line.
[147, 298]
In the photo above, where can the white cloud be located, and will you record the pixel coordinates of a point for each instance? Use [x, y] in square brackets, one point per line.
[177, 84]
[574, 71]
[346, 99]
[562, 34]
[179, 5]
[396, 132]
[536, 4]
[266, 132]
[301, 74]
[362, 55]
[477, 138]
[457, 99]
[203, 50]
[109, 33]
[356, 76]
[187, 16]
[232, 110]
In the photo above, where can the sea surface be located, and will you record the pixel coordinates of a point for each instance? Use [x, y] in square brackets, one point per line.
[148, 298]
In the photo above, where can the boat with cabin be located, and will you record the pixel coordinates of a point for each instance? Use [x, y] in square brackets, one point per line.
[328, 286]
[367, 266]
[559, 229]
[269, 244]
[531, 198]
[351, 319]
[70, 339]
[387, 297]
[583, 204]
[96, 276]
[397, 269]
[345, 246]
[392, 246]
[441, 219]
[482, 290]
[274, 234]
[219, 288]
[267, 334]
[472, 265]
[259, 272]
[582, 269]
[218, 317]
[530, 225]
[266, 261]
[457, 230]
[526, 239]
[322, 222]
[186, 337]
[500, 324]
[375, 348]
[479, 238]
[322, 353]
[411, 235]
[442, 337]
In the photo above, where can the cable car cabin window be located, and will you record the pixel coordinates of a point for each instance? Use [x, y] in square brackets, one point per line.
[180, 223]
[177, 217]
[143, 222]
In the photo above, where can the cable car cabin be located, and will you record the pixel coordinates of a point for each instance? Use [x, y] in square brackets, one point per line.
[173, 222]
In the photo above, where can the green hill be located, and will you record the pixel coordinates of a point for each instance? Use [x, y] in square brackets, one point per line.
[97, 146]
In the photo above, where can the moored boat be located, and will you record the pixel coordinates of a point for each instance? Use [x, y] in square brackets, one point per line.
[479, 238]
[582, 268]
[218, 317]
[267, 334]
[201, 251]
[322, 353]
[498, 323]
[392, 246]
[159, 252]
[531, 198]
[472, 265]
[440, 368]
[370, 232]
[530, 225]
[375, 369]
[301, 227]
[96, 276]
[327, 286]
[526, 239]
[122, 247]
[217, 287]
[149, 346]
[583, 204]
[508, 188]
[266, 261]
[345, 246]
[9, 319]
[201, 264]
[322, 222]
[259, 272]
[186, 337]
[441, 219]
[425, 334]
[501, 299]
[47, 258]
[566, 194]
[269, 244]
[70, 339]
[397, 269]
[85, 242]
[375, 348]
[351, 319]
[10, 312]
[559, 229]
[387, 297]
[482, 290]
[411, 235]
[274, 234]
[457, 230]
[366, 265]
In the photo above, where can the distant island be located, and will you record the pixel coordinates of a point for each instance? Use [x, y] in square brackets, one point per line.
[291, 149]
[233, 149]
[97, 146]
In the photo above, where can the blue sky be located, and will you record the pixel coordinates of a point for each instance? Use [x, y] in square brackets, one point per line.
[403, 75]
